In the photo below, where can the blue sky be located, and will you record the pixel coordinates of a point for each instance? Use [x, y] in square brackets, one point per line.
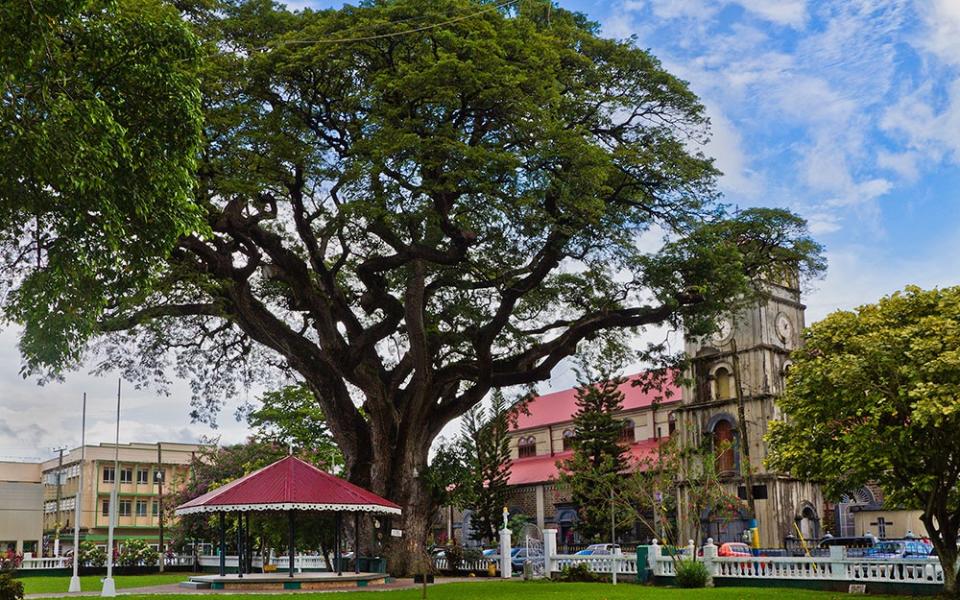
[846, 111]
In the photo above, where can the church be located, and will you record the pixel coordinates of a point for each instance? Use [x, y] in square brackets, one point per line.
[739, 370]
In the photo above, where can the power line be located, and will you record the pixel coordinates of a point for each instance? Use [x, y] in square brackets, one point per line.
[392, 34]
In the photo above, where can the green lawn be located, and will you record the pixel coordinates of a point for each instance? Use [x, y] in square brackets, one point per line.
[510, 590]
[91, 583]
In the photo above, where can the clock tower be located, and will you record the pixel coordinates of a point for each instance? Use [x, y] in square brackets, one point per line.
[734, 380]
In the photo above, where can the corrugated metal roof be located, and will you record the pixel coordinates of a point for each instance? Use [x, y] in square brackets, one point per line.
[540, 469]
[559, 407]
[289, 484]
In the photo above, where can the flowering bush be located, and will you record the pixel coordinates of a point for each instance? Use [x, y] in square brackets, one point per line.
[138, 552]
[92, 555]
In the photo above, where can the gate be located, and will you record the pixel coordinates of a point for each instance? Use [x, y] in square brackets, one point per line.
[533, 549]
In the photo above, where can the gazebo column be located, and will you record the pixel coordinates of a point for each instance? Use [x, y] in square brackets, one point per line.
[223, 544]
[337, 553]
[356, 542]
[240, 545]
[290, 539]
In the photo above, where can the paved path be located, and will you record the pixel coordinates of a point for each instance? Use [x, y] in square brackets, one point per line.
[173, 588]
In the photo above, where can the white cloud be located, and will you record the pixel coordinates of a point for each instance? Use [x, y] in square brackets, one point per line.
[903, 164]
[942, 34]
[925, 129]
[726, 146]
[782, 12]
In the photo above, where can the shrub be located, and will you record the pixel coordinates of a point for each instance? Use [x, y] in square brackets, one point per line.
[92, 555]
[471, 556]
[454, 556]
[691, 574]
[10, 588]
[138, 552]
[578, 573]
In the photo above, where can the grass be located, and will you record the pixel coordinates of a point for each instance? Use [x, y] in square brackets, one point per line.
[91, 583]
[507, 590]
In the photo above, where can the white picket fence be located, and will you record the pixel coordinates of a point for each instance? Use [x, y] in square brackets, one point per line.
[59, 562]
[837, 567]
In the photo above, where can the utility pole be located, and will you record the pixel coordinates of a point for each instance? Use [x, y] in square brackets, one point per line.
[159, 471]
[75, 579]
[56, 525]
[746, 467]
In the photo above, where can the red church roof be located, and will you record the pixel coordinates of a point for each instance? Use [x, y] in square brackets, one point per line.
[541, 469]
[559, 407]
[289, 484]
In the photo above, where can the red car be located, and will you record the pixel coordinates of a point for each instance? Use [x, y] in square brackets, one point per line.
[734, 549]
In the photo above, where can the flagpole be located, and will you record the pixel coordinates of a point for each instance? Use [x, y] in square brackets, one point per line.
[75, 580]
[109, 587]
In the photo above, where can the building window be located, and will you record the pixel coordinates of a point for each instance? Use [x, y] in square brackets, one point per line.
[105, 508]
[156, 508]
[722, 384]
[108, 475]
[527, 447]
[568, 437]
[671, 424]
[126, 475]
[143, 476]
[627, 433]
[723, 444]
[124, 508]
[141, 508]
[50, 507]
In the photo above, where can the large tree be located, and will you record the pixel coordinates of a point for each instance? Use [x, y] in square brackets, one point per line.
[411, 203]
[874, 396]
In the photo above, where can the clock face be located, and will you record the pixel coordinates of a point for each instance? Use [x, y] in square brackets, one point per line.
[784, 327]
[724, 329]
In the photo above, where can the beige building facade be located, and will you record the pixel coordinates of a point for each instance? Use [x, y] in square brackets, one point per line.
[142, 468]
[21, 498]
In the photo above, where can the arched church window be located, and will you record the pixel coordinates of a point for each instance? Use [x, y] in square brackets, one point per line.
[568, 437]
[527, 447]
[723, 444]
[723, 384]
[627, 433]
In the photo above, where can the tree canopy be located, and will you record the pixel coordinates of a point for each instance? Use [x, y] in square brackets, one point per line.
[100, 131]
[874, 396]
[409, 204]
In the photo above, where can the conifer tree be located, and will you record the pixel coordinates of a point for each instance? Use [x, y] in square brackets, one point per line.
[485, 441]
[594, 472]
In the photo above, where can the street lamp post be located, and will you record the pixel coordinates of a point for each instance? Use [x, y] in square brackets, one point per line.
[75, 579]
[109, 586]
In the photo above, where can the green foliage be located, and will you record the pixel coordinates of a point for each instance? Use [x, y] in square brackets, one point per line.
[291, 415]
[92, 555]
[691, 574]
[516, 524]
[874, 396]
[595, 471]
[10, 588]
[578, 573]
[99, 136]
[485, 443]
[137, 552]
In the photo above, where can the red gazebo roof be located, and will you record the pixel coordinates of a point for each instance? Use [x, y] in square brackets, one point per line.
[289, 484]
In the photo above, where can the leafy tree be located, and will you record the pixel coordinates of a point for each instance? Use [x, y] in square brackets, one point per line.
[874, 396]
[412, 219]
[485, 443]
[291, 416]
[100, 129]
[596, 469]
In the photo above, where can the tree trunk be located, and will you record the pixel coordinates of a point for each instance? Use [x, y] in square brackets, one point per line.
[394, 469]
[944, 539]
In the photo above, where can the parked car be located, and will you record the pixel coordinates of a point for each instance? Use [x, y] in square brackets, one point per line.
[491, 552]
[899, 549]
[518, 556]
[734, 549]
[599, 549]
[849, 542]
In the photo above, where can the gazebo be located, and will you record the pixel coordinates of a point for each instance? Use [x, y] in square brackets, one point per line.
[289, 485]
